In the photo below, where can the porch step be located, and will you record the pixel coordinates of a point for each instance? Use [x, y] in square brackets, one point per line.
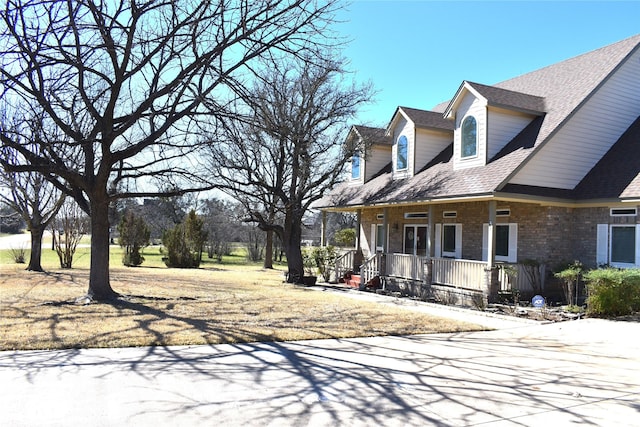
[353, 282]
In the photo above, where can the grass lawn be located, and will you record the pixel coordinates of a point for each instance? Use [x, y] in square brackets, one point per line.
[227, 302]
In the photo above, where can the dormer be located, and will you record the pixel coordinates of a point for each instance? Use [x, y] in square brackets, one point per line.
[371, 155]
[485, 119]
[417, 137]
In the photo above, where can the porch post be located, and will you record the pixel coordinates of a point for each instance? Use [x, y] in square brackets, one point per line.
[323, 229]
[382, 258]
[357, 257]
[491, 235]
[491, 271]
[428, 264]
[385, 227]
[430, 233]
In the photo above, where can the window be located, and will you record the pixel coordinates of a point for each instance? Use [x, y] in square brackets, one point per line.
[415, 240]
[623, 245]
[449, 214]
[618, 245]
[506, 244]
[401, 153]
[355, 166]
[469, 137]
[624, 212]
[448, 240]
[414, 215]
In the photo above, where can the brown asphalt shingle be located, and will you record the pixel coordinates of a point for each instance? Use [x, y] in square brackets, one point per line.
[557, 91]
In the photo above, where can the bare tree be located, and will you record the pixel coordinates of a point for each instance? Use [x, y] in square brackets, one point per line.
[291, 151]
[131, 85]
[67, 229]
[29, 194]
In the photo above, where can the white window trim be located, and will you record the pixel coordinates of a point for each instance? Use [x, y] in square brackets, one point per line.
[513, 243]
[395, 163]
[416, 215]
[603, 245]
[374, 239]
[474, 156]
[613, 213]
[439, 252]
[357, 177]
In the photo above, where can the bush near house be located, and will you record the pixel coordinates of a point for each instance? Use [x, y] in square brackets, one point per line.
[613, 292]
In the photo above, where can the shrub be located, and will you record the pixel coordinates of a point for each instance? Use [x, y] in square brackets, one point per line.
[570, 277]
[19, 254]
[325, 259]
[184, 243]
[613, 292]
[134, 235]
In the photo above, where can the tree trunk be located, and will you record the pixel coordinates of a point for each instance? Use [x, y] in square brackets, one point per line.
[292, 238]
[268, 251]
[99, 286]
[36, 249]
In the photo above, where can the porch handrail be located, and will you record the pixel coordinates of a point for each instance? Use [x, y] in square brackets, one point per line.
[344, 263]
[370, 268]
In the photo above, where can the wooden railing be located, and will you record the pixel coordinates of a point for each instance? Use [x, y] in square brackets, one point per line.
[405, 266]
[459, 273]
[344, 263]
[370, 268]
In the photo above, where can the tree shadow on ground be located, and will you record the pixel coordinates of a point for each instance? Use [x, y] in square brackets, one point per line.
[439, 380]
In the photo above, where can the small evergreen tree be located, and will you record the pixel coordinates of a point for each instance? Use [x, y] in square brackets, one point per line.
[134, 235]
[184, 243]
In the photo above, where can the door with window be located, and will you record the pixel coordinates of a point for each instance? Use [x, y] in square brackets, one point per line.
[415, 240]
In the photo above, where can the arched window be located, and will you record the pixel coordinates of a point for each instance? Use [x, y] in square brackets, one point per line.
[469, 137]
[355, 166]
[401, 153]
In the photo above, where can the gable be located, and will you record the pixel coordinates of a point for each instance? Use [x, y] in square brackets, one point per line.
[587, 134]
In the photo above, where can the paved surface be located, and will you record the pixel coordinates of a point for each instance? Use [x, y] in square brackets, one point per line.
[584, 372]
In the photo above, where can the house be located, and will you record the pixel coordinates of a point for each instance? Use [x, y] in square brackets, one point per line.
[531, 172]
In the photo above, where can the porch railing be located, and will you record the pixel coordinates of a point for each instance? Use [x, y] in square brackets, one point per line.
[344, 263]
[459, 273]
[405, 266]
[370, 268]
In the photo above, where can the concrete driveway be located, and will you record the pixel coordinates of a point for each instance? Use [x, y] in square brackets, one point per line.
[584, 372]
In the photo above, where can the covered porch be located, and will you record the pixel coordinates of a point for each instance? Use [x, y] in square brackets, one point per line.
[437, 265]
[422, 276]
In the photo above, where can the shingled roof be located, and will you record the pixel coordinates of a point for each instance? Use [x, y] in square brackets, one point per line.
[373, 135]
[427, 119]
[556, 92]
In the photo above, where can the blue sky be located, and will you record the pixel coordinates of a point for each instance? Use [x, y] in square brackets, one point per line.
[417, 53]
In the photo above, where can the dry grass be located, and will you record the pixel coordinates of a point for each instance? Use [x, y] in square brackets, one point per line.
[177, 307]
